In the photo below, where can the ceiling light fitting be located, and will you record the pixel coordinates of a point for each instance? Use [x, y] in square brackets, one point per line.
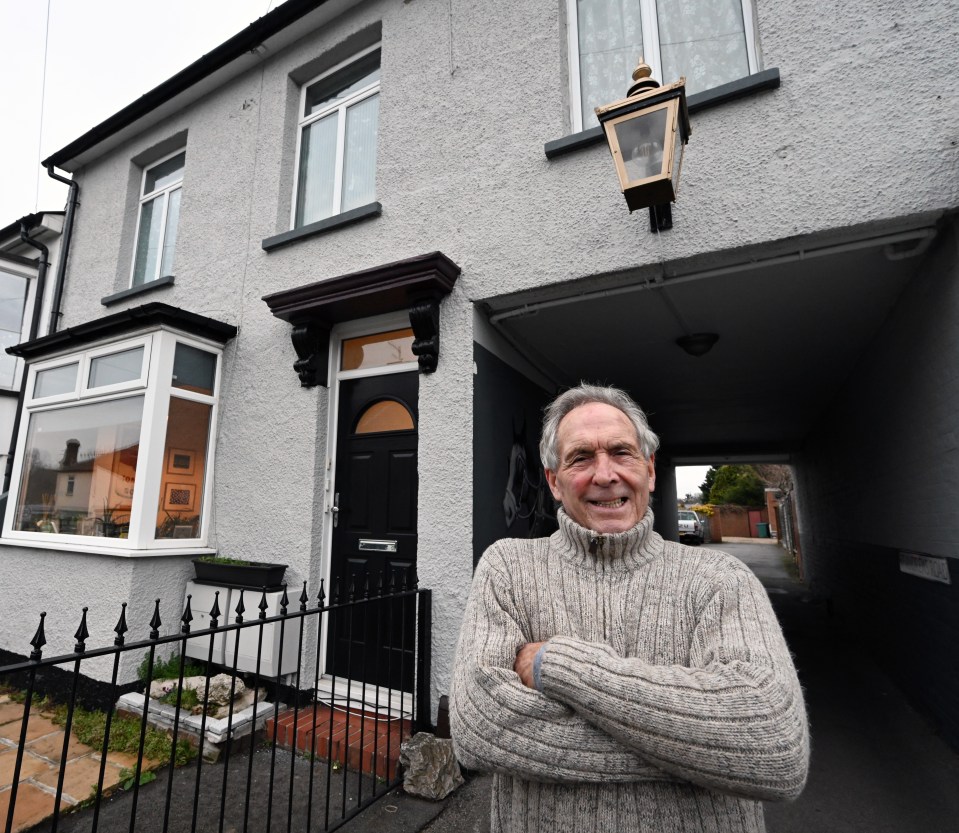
[698, 344]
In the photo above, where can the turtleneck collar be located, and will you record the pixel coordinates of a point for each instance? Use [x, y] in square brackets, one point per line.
[612, 551]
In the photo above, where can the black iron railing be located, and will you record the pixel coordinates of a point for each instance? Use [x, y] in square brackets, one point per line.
[321, 748]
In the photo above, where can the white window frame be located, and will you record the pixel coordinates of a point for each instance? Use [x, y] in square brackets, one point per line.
[340, 107]
[30, 299]
[145, 198]
[155, 385]
[650, 26]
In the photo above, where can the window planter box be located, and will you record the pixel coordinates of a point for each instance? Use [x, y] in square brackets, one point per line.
[255, 575]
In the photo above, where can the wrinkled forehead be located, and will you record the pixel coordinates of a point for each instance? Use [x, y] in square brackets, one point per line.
[598, 425]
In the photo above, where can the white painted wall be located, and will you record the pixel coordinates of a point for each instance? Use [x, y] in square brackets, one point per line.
[470, 94]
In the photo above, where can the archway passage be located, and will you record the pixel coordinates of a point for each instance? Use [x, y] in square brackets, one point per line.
[834, 355]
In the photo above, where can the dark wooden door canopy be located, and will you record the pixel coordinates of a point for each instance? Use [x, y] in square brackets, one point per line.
[417, 285]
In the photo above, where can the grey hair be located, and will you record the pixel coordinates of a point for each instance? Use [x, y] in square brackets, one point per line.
[584, 394]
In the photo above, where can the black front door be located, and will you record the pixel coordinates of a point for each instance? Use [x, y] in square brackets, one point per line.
[374, 533]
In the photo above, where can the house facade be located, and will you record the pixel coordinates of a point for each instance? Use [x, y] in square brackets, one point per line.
[321, 283]
[29, 255]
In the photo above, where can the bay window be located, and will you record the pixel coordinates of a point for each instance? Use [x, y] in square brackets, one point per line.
[159, 216]
[116, 446]
[711, 42]
[336, 144]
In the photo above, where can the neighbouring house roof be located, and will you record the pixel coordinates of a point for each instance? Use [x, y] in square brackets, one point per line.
[280, 27]
[43, 224]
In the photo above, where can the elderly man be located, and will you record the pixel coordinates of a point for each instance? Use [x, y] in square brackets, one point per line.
[615, 681]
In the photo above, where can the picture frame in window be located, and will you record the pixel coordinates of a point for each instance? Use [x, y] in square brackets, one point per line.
[179, 497]
[123, 473]
[180, 461]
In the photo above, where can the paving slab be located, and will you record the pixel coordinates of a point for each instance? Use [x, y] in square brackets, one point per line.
[30, 765]
[33, 806]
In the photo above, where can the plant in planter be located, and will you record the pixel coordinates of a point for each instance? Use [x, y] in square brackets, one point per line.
[237, 572]
[179, 525]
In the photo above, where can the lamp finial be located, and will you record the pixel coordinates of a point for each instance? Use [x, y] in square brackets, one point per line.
[642, 78]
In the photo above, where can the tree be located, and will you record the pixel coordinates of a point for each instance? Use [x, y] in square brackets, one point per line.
[707, 486]
[776, 476]
[739, 485]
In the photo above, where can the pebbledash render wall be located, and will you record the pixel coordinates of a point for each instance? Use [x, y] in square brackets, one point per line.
[880, 475]
[849, 145]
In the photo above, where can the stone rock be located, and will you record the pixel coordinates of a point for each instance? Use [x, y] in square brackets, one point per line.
[240, 702]
[430, 768]
[219, 694]
[219, 688]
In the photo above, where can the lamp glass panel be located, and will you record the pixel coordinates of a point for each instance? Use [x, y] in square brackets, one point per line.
[641, 143]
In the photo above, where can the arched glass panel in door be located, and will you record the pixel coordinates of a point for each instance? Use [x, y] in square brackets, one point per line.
[385, 415]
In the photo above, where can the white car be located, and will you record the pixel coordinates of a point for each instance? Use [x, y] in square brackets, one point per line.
[690, 527]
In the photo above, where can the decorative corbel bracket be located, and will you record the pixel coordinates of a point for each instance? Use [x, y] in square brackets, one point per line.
[425, 321]
[312, 345]
[416, 285]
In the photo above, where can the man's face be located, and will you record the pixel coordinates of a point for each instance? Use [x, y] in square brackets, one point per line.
[602, 478]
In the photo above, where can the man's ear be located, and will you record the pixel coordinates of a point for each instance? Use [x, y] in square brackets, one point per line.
[551, 480]
[652, 472]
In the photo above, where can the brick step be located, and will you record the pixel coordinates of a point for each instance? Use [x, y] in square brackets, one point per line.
[356, 739]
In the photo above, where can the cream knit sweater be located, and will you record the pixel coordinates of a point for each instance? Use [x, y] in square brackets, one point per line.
[669, 699]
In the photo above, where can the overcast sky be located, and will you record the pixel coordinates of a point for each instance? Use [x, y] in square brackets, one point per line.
[101, 56]
[689, 479]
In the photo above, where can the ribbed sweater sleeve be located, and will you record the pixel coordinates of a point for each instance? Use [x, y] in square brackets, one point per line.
[733, 721]
[499, 725]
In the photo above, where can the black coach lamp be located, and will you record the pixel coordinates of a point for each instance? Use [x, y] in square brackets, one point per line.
[646, 132]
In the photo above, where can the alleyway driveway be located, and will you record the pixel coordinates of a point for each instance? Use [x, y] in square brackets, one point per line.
[877, 766]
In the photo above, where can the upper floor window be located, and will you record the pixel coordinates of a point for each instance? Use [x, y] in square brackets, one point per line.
[13, 300]
[158, 219]
[115, 447]
[336, 148]
[711, 42]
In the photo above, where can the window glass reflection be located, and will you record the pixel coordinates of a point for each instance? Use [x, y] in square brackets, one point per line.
[56, 381]
[194, 369]
[115, 368]
[378, 350]
[184, 464]
[79, 469]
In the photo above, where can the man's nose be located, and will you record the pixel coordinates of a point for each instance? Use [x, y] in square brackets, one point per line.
[605, 471]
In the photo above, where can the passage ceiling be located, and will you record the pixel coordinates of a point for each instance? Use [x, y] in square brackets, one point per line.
[791, 330]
